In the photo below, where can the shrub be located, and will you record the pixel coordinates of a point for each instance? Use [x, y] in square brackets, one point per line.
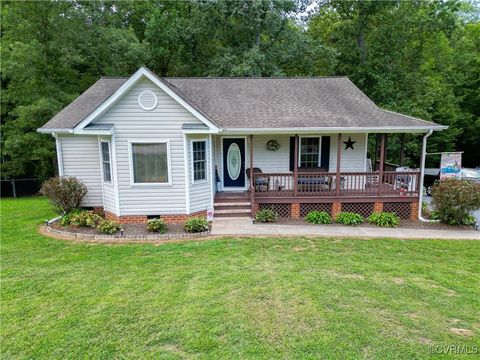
[196, 225]
[349, 218]
[109, 226]
[384, 219]
[66, 219]
[65, 193]
[157, 225]
[318, 217]
[85, 218]
[455, 199]
[266, 216]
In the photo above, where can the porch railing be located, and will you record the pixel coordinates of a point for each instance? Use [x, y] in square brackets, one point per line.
[318, 184]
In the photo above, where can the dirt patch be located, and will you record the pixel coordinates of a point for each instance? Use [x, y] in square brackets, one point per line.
[461, 332]
[398, 281]
[345, 276]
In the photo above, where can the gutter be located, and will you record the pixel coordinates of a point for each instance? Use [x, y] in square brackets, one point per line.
[422, 174]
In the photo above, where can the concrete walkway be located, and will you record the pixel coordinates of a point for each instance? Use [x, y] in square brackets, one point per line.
[244, 226]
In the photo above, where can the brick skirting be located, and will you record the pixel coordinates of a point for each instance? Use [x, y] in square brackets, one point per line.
[142, 219]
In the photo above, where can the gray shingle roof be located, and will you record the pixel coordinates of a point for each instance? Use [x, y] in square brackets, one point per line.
[313, 102]
[85, 104]
[288, 103]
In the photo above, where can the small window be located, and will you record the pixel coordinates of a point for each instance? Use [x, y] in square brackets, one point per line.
[107, 173]
[199, 158]
[150, 163]
[309, 152]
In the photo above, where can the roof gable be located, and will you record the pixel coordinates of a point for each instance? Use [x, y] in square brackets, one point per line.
[96, 100]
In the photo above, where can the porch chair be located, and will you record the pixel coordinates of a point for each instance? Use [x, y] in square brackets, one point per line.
[261, 182]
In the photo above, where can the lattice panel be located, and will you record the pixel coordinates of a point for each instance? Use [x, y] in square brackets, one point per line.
[283, 210]
[402, 209]
[364, 209]
[306, 208]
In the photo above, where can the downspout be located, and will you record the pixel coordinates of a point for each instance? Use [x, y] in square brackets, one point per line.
[422, 174]
[58, 148]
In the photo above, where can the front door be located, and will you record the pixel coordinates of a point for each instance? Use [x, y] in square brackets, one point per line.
[233, 162]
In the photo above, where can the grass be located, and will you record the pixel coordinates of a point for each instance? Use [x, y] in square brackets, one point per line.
[232, 298]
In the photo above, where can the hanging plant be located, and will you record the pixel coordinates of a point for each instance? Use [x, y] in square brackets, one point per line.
[272, 145]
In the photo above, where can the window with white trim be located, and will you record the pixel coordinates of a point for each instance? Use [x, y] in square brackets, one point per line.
[106, 162]
[309, 152]
[150, 163]
[199, 160]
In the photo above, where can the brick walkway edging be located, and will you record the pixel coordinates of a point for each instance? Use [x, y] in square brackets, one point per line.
[117, 238]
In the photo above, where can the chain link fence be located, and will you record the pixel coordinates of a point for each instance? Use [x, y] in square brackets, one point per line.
[21, 187]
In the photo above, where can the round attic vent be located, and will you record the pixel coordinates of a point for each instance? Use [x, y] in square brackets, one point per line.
[147, 100]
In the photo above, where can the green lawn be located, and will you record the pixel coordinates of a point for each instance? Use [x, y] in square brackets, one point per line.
[232, 298]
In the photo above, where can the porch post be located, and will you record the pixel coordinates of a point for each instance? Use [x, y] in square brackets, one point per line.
[381, 165]
[295, 167]
[339, 157]
[252, 186]
[402, 149]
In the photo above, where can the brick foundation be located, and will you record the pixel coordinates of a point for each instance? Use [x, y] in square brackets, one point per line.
[378, 207]
[295, 211]
[142, 219]
[414, 211]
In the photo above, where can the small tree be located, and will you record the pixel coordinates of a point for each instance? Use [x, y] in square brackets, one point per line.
[455, 199]
[65, 193]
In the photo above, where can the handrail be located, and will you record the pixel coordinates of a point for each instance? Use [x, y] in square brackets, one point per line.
[353, 183]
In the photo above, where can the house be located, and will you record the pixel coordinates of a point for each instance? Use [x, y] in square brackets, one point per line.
[147, 146]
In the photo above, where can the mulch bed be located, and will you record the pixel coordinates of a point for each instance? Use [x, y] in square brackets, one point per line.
[128, 229]
[407, 224]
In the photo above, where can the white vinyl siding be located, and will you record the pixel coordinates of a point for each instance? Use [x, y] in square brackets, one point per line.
[200, 191]
[351, 160]
[81, 159]
[133, 124]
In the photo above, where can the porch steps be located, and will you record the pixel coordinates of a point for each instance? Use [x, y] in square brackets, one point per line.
[232, 206]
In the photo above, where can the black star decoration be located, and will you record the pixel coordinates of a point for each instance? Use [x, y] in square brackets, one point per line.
[349, 143]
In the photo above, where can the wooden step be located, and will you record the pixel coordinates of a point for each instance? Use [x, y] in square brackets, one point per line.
[232, 216]
[239, 203]
[232, 211]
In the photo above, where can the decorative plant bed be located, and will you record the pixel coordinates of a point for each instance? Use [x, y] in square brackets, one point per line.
[131, 232]
[406, 224]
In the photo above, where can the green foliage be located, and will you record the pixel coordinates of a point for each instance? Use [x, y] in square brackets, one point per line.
[419, 58]
[65, 193]
[349, 218]
[454, 200]
[266, 216]
[67, 218]
[318, 217]
[384, 219]
[196, 225]
[157, 225]
[85, 218]
[109, 227]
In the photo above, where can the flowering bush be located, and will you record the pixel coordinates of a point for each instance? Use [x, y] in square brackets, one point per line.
[196, 225]
[455, 199]
[157, 225]
[65, 193]
[109, 227]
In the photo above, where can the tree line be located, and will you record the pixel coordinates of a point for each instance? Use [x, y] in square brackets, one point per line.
[420, 58]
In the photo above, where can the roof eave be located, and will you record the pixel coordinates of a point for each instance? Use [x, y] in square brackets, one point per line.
[327, 130]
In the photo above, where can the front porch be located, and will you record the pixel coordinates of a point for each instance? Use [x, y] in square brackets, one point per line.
[297, 192]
